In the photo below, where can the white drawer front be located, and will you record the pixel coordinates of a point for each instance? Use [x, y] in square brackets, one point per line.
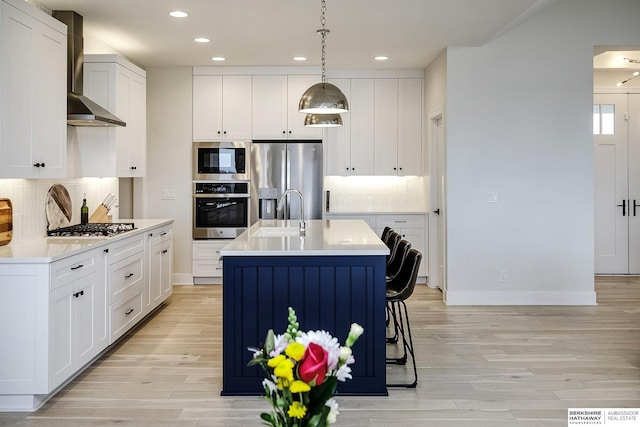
[400, 221]
[125, 314]
[125, 248]
[206, 268]
[74, 266]
[161, 234]
[208, 250]
[125, 275]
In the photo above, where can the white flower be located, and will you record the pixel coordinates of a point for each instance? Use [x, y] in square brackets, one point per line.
[344, 373]
[326, 341]
[333, 411]
[279, 344]
[345, 353]
[271, 384]
[355, 332]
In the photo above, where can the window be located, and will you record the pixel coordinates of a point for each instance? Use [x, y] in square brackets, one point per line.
[603, 119]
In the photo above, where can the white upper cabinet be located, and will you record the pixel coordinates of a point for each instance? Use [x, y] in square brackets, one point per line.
[410, 127]
[275, 107]
[33, 105]
[398, 127]
[382, 132]
[221, 108]
[350, 147]
[120, 87]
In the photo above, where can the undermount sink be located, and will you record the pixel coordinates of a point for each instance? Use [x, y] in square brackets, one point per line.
[276, 232]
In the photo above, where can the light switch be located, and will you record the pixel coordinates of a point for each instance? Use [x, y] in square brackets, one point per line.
[492, 197]
[168, 194]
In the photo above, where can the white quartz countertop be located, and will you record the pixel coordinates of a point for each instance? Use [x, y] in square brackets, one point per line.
[323, 238]
[48, 249]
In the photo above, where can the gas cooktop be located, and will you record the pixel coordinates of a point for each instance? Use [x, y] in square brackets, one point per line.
[106, 229]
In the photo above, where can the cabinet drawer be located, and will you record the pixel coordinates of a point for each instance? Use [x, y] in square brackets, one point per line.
[400, 221]
[209, 250]
[206, 268]
[125, 248]
[73, 267]
[161, 234]
[125, 275]
[125, 314]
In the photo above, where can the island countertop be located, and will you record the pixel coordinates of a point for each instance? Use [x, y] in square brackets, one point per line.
[323, 238]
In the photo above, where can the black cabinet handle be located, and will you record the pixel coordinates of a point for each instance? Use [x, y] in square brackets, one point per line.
[150, 234]
[163, 234]
[77, 294]
[39, 165]
[635, 205]
[624, 207]
[128, 275]
[134, 168]
[128, 312]
[77, 267]
[437, 212]
[106, 251]
[165, 251]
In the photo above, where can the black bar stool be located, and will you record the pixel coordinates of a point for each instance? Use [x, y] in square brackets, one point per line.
[399, 288]
[393, 267]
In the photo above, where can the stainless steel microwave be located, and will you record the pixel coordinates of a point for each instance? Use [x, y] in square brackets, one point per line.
[221, 160]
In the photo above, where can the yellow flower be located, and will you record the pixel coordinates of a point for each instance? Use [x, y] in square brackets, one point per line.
[299, 387]
[297, 410]
[284, 369]
[295, 350]
[275, 361]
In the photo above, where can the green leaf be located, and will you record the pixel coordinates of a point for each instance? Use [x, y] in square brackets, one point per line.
[269, 342]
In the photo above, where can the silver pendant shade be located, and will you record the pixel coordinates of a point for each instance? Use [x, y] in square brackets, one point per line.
[323, 102]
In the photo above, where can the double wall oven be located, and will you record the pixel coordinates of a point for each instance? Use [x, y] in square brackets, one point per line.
[221, 189]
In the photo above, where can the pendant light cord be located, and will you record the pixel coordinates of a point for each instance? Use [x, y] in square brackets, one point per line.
[323, 37]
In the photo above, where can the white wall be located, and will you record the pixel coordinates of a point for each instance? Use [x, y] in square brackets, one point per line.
[169, 159]
[519, 124]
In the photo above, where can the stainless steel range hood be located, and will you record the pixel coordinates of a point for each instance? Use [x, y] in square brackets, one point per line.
[81, 111]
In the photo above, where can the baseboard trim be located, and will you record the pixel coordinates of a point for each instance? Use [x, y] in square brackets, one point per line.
[519, 298]
[182, 279]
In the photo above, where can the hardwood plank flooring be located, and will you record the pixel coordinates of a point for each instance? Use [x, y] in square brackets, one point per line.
[478, 366]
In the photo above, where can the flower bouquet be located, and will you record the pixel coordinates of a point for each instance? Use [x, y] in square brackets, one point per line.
[303, 369]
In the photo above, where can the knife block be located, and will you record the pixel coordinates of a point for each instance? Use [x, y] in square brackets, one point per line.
[99, 215]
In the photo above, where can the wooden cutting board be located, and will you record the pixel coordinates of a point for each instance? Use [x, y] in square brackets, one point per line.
[6, 221]
[58, 207]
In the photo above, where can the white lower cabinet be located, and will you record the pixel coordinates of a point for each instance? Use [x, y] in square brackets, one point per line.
[207, 264]
[412, 227]
[160, 261]
[77, 315]
[56, 317]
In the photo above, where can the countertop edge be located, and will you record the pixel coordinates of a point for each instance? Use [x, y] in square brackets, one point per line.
[40, 243]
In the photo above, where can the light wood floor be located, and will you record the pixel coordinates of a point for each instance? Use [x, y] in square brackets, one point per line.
[478, 366]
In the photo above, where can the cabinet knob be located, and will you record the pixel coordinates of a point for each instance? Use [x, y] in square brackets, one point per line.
[400, 168]
[225, 132]
[106, 251]
[219, 132]
[39, 165]
[394, 168]
[290, 132]
[284, 132]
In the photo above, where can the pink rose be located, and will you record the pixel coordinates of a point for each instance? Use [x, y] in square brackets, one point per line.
[314, 364]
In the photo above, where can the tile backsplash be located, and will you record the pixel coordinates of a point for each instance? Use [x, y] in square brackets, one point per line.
[378, 193]
[28, 199]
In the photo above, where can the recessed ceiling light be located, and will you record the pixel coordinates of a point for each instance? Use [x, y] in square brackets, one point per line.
[218, 58]
[178, 14]
[381, 58]
[202, 40]
[299, 58]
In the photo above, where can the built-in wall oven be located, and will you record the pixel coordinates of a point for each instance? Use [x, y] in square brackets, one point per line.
[220, 209]
[221, 160]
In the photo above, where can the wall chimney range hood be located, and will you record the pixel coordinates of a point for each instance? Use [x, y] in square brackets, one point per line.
[81, 111]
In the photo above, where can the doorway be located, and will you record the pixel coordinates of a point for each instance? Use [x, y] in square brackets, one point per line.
[437, 216]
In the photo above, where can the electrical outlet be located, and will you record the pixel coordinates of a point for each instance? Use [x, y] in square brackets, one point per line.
[503, 275]
[492, 197]
[168, 194]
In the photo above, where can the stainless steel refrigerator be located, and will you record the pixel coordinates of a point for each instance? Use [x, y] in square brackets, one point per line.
[280, 165]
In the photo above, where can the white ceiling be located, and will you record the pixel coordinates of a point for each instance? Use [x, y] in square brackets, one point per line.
[270, 32]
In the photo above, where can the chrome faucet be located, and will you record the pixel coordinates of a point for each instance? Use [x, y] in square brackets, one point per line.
[284, 194]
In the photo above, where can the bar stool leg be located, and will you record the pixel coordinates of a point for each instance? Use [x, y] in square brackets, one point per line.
[404, 327]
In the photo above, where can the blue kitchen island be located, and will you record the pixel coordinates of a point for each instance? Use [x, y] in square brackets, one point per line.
[333, 276]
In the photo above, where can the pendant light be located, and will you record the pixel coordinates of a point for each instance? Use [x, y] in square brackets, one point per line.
[323, 99]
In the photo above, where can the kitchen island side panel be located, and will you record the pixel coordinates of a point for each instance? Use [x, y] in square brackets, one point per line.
[327, 292]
